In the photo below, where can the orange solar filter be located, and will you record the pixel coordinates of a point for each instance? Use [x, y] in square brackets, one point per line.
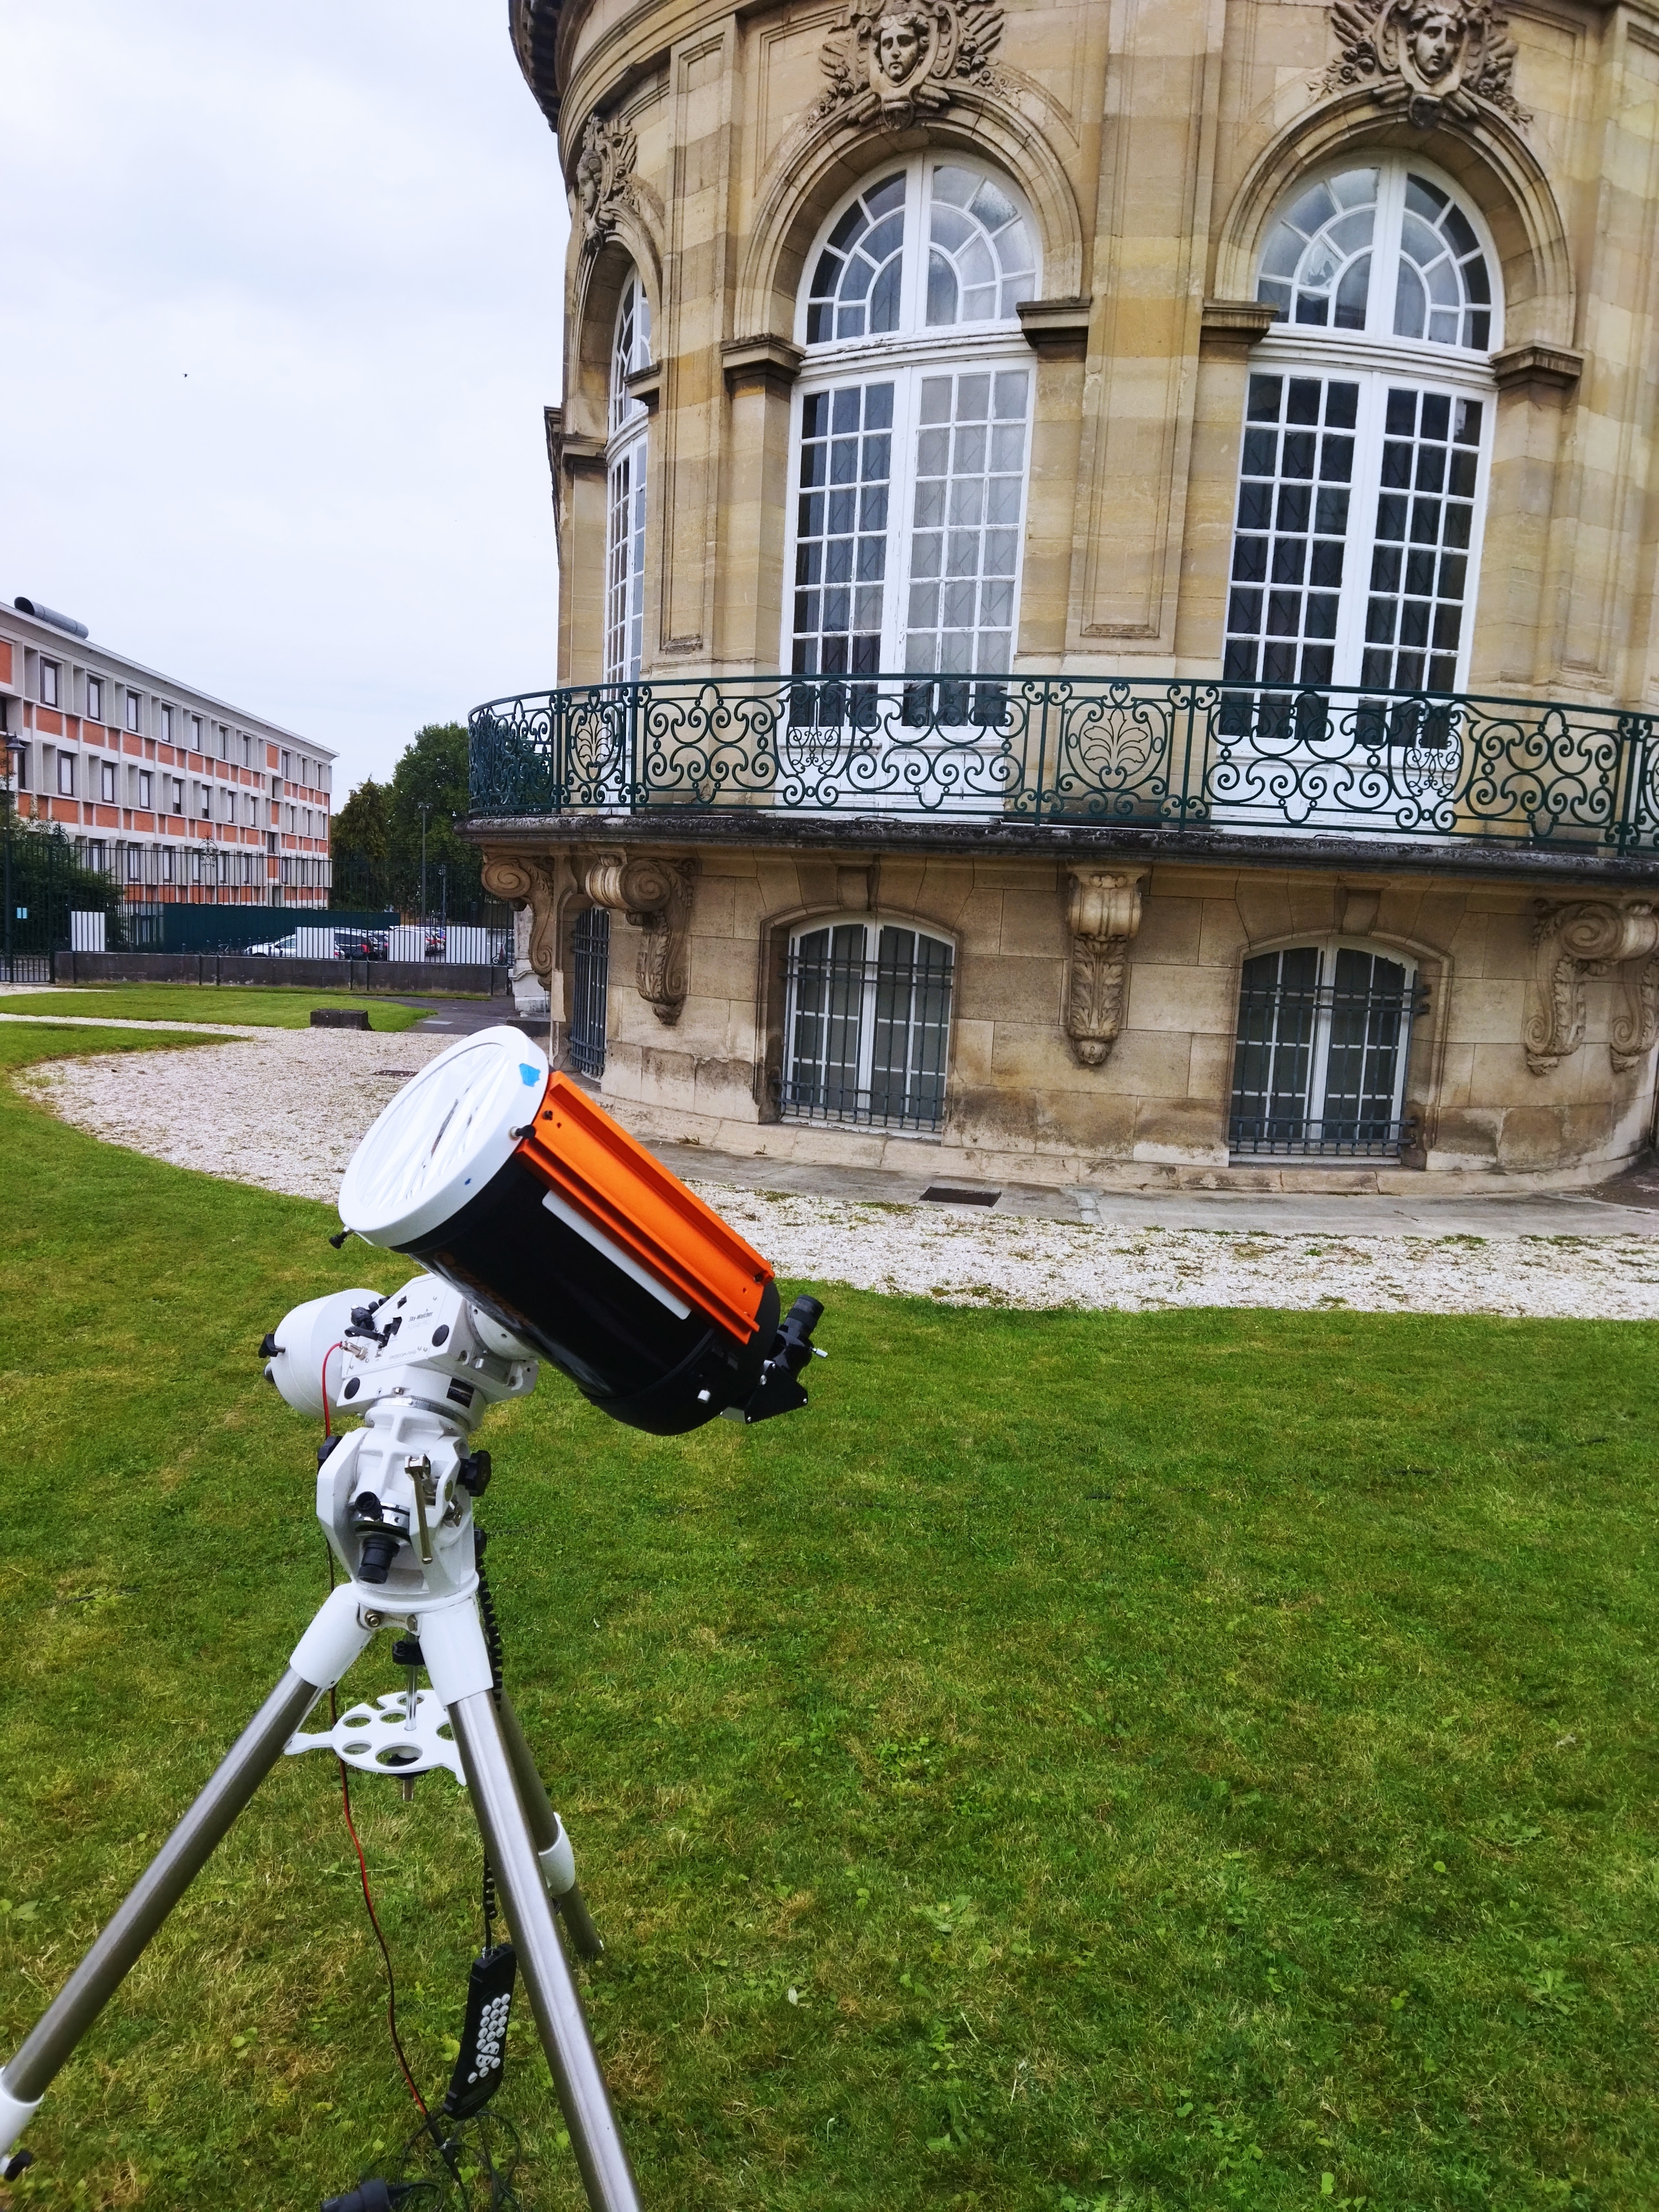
[575, 1148]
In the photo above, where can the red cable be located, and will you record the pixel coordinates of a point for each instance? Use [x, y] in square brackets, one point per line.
[356, 1843]
[391, 1979]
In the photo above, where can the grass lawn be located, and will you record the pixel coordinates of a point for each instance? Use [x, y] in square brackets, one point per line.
[278, 1007]
[1177, 1760]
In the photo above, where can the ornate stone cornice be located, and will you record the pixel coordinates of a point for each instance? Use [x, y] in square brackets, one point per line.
[1235, 325]
[655, 894]
[1556, 367]
[764, 360]
[890, 64]
[534, 26]
[1431, 58]
[1102, 914]
[1059, 327]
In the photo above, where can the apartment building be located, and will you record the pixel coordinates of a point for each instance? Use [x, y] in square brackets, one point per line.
[176, 796]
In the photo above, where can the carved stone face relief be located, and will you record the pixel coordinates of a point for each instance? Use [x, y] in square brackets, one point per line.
[890, 64]
[1426, 55]
[900, 43]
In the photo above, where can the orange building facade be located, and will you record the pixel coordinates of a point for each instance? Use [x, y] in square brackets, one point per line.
[172, 794]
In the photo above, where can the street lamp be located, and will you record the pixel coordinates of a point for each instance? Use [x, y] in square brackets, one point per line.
[423, 812]
[14, 752]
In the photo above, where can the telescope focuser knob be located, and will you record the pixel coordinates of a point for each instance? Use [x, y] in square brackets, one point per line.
[472, 1473]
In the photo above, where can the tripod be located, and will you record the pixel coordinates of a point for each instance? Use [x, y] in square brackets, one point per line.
[395, 1498]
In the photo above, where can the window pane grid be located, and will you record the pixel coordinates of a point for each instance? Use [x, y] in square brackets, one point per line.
[1424, 522]
[867, 1032]
[964, 544]
[979, 261]
[855, 285]
[841, 532]
[624, 609]
[1290, 545]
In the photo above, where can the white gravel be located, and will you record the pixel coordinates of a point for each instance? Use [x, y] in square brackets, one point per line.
[285, 1109]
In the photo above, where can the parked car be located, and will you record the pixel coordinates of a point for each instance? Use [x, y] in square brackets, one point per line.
[360, 945]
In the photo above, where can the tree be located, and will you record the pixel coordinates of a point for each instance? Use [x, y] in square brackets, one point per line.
[359, 847]
[377, 833]
[432, 774]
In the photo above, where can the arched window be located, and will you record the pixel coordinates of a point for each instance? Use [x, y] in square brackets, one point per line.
[1368, 428]
[867, 1026]
[1319, 1067]
[913, 428]
[625, 551]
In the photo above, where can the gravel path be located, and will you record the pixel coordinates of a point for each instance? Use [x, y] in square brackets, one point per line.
[285, 1109]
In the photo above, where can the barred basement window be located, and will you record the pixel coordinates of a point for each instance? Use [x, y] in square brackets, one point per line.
[1324, 1035]
[590, 988]
[867, 1027]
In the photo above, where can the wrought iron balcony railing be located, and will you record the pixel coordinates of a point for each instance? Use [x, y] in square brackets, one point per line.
[1102, 752]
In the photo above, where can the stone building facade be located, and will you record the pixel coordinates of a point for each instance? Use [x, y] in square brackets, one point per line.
[1107, 626]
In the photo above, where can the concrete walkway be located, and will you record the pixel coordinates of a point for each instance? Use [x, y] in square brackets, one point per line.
[1628, 1207]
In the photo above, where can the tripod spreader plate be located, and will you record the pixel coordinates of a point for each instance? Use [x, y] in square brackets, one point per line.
[379, 1739]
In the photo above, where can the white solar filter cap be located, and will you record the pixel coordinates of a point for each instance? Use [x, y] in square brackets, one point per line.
[448, 1132]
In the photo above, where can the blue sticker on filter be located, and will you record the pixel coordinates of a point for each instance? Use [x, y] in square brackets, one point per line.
[530, 1074]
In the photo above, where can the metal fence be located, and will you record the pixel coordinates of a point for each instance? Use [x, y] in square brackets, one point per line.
[1174, 755]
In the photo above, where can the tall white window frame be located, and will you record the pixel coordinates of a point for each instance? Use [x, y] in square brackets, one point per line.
[627, 422]
[910, 436]
[1368, 434]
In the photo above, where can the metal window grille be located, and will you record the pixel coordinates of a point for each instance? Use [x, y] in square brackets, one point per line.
[1324, 1035]
[590, 982]
[867, 1028]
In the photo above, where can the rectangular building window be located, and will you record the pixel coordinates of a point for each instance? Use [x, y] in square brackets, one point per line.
[49, 673]
[146, 782]
[166, 724]
[1353, 551]
[625, 593]
[95, 698]
[178, 795]
[135, 709]
[106, 782]
[196, 733]
[66, 775]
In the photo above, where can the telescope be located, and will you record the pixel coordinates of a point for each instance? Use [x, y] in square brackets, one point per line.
[543, 1232]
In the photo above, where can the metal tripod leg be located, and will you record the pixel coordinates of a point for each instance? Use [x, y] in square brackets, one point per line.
[547, 1832]
[553, 1996]
[327, 1649]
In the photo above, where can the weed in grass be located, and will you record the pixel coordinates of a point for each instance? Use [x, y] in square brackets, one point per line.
[1279, 1815]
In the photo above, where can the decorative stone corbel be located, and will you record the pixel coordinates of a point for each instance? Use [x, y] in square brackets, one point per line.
[1589, 938]
[529, 882]
[1103, 913]
[655, 896]
[1635, 1028]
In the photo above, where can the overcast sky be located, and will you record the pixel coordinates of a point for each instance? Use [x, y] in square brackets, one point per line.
[279, 316]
